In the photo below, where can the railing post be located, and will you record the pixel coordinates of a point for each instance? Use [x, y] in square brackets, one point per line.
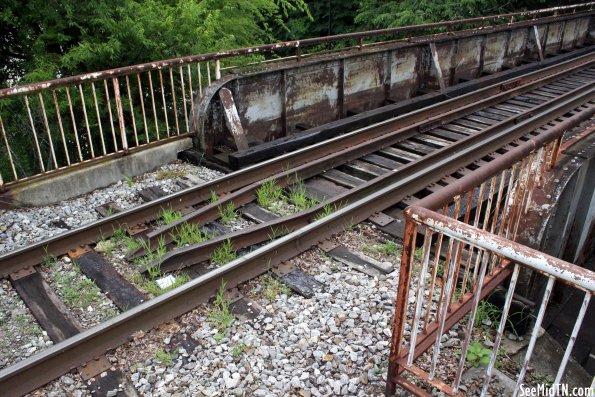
[217, 69]
[120, 114]
[401, 305]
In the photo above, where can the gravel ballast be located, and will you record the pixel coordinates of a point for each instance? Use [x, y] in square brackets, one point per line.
[21, 227]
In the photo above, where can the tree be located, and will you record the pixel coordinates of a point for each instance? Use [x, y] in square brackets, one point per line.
[43, 39]
[378, 14]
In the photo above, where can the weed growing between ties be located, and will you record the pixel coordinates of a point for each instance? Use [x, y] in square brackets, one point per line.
[220, 316]
[169, 216]
[169, 174]
[189, 233]
[299, 197]
[228, 213]
[273, 287]
[268, 193]
[213, 198]
[166, 357]
[151, 286]
[223, 254]
[327, 209]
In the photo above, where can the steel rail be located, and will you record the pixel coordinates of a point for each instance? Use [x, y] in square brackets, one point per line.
[35, 371]
[60, 244]
[128, 70]
[434, 164]
[372, 141]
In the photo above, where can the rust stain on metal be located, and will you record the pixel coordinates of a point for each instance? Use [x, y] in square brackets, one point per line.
[22, 273]
[232, 119]
[79, 251]
[94, 368]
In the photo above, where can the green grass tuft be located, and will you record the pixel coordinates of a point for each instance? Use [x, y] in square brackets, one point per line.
[228, 213]
[220, 316]
[224, 253]
[299, 198]
[169, 215]
[268, 193]
[189, 233]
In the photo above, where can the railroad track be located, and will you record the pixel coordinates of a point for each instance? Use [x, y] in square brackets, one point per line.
[343, 181]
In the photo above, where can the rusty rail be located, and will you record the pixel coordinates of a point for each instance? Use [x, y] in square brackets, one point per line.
[45, 366]
[79, 119]
[475, 255]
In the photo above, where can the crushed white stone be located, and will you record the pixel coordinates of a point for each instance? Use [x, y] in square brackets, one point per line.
[21, 227]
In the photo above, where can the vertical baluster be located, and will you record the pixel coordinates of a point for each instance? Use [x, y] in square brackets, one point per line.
[501, 326]
[199, 80]
[120, 114]
[131, 110]
[98, 118]
[8, 150]
[142, 106]
[217, 69]
[34, 134]
[86, 121]
[173, 98]
[153, 102]
[535, 333]
[420, 294]
[191, 92]
[59, 117]
[209, 72]
[47, 129]
[184, 98]
[74, 129]
[507, 204]
[164, 104]
[470, 323]
[111, 117]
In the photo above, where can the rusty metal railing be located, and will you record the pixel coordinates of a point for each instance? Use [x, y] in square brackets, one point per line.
[468, 250]
[61, 123]
[496, 258]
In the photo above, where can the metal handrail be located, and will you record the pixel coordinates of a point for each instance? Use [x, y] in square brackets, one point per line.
[143, 67]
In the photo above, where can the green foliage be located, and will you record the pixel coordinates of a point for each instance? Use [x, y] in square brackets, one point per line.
[213, 198]
[224, 253]
[278, 232]
[238, 349]
[487, 313]
[151, 286]
[166, 357]
[42, 40]
[376, 14]
[274, 287]
[169, 215]
[150, 254]
[391, 248]
[228, 213]
[268, 193]
[477, 354]
[189, 233]
[169, 174]
[49, 260]
[419, 253]
[129, 181]
[299, 198]
[132, 244]
[220, 316]
[327, 209]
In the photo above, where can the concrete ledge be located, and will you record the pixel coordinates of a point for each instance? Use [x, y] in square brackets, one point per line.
[72, 183]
